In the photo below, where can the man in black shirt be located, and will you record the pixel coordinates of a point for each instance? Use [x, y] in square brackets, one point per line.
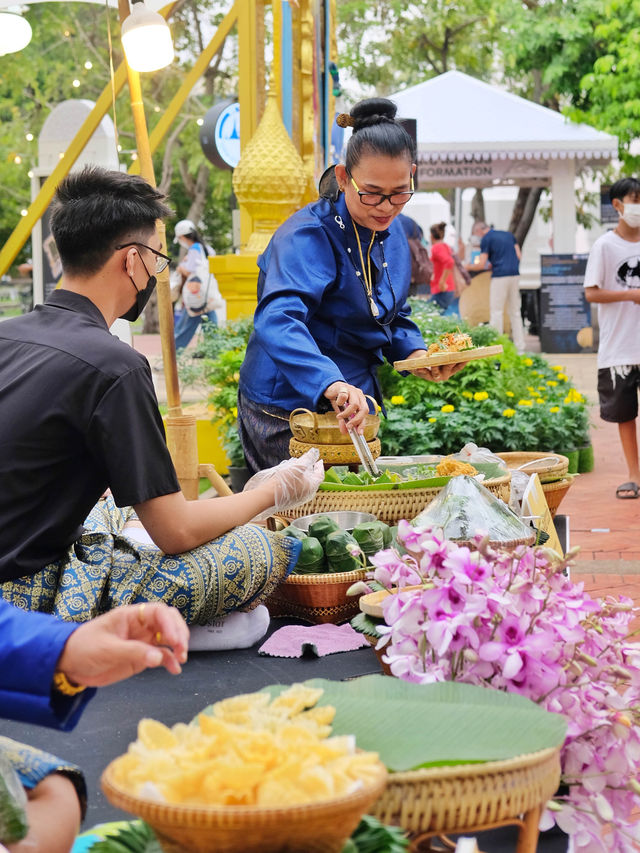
[78, 416]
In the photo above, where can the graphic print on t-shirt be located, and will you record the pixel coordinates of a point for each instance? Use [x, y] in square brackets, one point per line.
[628, 273]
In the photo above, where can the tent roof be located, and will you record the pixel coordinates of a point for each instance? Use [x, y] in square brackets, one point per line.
[459, 116]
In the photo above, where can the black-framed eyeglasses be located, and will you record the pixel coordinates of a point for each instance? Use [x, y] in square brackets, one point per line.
[374, 199]
[162, 261]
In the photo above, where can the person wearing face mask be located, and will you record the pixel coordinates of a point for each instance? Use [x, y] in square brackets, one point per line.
[612, 281]
[199, 288]
[80, 417]
[332, 293]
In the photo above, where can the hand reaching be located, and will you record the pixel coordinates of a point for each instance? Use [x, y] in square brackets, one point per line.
[295, 481]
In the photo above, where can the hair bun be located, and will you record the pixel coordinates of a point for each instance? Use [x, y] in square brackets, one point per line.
[345, 120]
[374, 111]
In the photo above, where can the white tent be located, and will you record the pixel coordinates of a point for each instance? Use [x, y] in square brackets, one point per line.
[471, 134]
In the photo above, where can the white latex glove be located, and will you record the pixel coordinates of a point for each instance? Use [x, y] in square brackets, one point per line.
[296, 480]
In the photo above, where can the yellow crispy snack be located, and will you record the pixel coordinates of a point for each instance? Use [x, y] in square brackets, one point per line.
[450, 467]
[250, 750]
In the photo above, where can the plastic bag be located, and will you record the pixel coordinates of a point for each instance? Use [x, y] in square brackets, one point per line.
[471, 453]
[465, 508]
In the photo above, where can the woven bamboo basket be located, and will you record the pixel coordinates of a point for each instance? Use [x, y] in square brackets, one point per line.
[389, 506]
[555, 492]
[316, 598]
[468, 796]
[313, 428]
[548, 466]
[321, 827]
[334, 454]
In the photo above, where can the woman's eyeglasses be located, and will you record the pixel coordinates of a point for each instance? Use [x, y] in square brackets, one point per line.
[374, 199]
[161, 260]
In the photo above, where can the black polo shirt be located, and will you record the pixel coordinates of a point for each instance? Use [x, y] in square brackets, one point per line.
[78, 414]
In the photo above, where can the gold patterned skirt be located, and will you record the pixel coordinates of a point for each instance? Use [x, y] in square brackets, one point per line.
[106, 569]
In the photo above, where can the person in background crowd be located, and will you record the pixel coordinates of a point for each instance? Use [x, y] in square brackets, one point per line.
[502, 251]
[443, 286]
[612, 281]
[421, 265]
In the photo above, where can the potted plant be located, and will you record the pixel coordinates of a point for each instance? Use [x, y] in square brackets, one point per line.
[238, 471]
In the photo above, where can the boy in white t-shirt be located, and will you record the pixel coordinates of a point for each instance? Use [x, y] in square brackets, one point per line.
[612, 279]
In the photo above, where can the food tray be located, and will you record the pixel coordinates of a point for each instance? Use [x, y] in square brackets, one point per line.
[447, 357]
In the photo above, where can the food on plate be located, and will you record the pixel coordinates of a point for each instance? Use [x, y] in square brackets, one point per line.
[248, 750]
[450, 467]
[451, 342]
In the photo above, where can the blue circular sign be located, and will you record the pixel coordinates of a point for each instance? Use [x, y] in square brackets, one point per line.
[227, 135]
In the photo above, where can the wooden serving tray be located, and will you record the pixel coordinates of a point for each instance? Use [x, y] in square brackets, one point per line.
[447, 357]
[371, 603]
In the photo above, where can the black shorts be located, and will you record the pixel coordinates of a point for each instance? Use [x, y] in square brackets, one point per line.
[618, 392]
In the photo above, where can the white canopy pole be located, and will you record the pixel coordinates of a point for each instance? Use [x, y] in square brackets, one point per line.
[563, 177]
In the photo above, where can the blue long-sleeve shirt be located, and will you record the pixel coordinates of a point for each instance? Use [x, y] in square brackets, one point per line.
[313, 325]
[30, 645]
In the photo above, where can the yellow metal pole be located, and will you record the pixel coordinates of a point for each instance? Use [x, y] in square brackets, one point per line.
[247, 89]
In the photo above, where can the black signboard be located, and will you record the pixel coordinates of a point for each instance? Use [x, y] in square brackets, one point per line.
[564, 311]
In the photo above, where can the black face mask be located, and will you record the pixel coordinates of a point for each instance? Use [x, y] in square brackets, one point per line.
[142, 297]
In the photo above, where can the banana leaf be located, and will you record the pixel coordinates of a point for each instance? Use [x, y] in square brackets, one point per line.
[425, 725]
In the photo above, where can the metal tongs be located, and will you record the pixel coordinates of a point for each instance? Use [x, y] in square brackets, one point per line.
[364, 453]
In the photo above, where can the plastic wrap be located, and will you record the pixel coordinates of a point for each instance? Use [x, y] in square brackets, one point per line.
[465, 507]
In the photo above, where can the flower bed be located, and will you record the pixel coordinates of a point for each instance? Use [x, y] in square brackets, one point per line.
[515, 622]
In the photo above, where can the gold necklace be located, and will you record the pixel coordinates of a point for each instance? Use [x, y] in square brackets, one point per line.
[366, 273]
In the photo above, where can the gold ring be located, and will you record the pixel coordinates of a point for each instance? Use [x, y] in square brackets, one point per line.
[141, 613]
[159, 637]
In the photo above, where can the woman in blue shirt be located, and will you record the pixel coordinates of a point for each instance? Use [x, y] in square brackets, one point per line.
[332, 294]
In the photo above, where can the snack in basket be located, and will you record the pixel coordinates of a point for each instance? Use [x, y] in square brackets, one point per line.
[451, 342]
[450, 467]
[249, 750]
[332, 549]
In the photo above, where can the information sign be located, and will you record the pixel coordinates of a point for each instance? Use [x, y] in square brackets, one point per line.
[565, 313]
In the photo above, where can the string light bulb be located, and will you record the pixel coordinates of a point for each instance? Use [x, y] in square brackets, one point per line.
[15, 31]
[146, 39]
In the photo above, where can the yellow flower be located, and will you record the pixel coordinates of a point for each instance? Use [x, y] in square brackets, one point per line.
[432, 420]
[398, 400]
[467, 395]
[557, 367]
[538, 399]
[525, 403]
[448, 408]
[551, 383]
[509, 393]
[234, 411]
[508, 413]
[554, 409]
[480, 395]
[528, 362]
[563, 377]
[574, 396]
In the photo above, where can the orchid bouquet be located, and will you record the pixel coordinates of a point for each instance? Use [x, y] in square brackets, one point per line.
[514, 621]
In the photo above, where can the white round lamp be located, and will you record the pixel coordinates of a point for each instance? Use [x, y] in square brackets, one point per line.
[146, 39]
[15, 32]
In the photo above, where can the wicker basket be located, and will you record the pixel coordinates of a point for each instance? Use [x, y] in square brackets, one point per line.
[313, 428]
[468, 797]
[555, 492]
[316, 598]
[334, 454]
[388, 506]
[321, 827]
[548, 466]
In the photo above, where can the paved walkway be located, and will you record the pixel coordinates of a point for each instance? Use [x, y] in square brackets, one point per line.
[606, 529]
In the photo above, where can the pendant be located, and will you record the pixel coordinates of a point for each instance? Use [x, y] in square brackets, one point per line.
[373, 307]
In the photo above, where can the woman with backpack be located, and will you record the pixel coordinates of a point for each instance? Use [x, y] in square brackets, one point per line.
[198, 287]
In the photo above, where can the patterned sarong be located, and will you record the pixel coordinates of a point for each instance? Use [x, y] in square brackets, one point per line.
[106, 569]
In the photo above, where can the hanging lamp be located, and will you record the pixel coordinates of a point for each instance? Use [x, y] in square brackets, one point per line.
[15, 31]
[146, 39]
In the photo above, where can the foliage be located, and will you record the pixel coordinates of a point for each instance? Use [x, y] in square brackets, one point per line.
[515, 622]
[511, 402]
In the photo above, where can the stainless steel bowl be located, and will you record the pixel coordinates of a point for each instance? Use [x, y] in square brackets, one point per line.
[345, 519]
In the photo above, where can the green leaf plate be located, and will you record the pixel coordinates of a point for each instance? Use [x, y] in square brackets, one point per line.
[430, 483]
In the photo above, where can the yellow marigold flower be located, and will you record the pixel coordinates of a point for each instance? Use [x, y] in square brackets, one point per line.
[551, 383]
[432, 420]
[557, 367]
[480, 395]
[448, 408]
[562, 377]
[398, 400]
[508, 413]
[528, 362]
[525, 403]
[538, 399]
[531, 389]
[554, 409]
[574, 396]
[509, 394]
[234, 411]
[467, 394]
